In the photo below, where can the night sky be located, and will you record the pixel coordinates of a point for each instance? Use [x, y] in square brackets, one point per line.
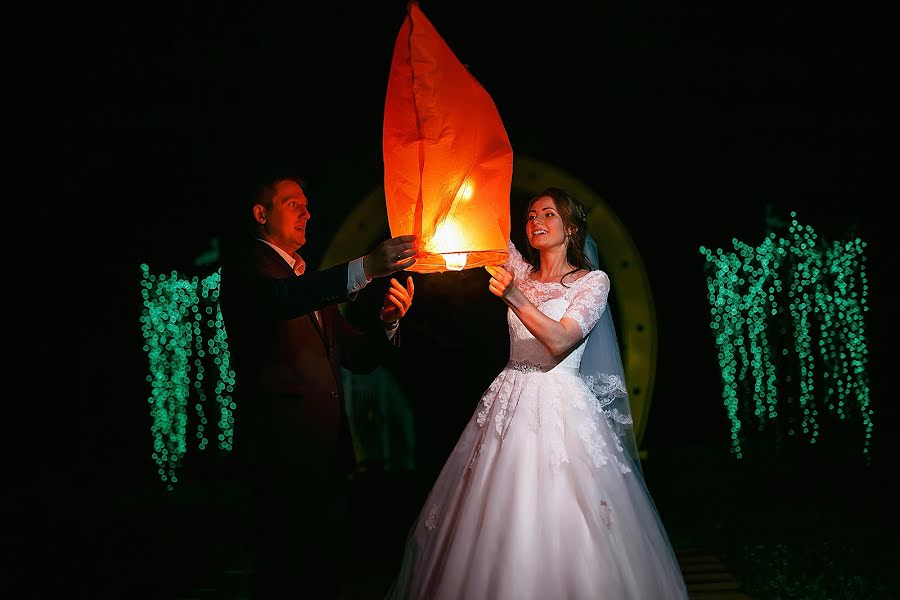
[693, 120]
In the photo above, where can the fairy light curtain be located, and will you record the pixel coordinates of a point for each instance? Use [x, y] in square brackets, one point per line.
[788, 318]
[447, 158]
[190, 374]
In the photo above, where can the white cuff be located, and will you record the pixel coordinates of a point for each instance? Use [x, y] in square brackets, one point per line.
[356, 276]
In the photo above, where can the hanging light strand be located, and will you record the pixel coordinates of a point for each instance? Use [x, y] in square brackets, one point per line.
[183, 335]
[787, 317]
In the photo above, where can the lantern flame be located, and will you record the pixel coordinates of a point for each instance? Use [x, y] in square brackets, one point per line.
[448, 236]
[455, 262]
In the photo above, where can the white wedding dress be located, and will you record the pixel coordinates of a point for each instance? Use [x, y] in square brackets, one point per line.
[538, 499]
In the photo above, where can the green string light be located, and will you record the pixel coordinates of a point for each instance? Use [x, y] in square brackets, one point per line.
[787, 317]
[184, 338]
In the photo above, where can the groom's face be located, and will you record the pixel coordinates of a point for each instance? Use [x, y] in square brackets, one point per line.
[285, 222]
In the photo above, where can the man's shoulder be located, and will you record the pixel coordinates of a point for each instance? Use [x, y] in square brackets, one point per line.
[246, 249]
[237, 245]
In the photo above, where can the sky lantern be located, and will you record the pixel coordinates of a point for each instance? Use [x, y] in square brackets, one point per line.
[447, 159]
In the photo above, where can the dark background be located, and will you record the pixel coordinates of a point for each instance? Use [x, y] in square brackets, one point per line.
[693, 120]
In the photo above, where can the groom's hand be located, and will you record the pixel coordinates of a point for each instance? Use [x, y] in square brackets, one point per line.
[391, 256]
[397, 301]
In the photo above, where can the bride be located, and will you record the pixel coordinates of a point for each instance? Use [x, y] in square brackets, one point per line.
[543, 498]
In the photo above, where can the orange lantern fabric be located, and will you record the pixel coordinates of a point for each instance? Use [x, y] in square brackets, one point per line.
[447, 159]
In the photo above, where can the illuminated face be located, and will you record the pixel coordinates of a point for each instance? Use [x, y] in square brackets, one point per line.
[544, 227]
[285, 222]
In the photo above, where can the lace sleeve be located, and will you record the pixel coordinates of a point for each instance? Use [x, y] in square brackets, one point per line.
[588, 300]
[516, 263]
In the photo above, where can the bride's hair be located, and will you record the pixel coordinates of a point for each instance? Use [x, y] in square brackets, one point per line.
[574, 217]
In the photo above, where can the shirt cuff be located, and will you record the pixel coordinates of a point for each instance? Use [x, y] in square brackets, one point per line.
[391, 329]
[356, 276]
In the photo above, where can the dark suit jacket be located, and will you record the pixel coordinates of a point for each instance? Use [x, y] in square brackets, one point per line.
[290, 407]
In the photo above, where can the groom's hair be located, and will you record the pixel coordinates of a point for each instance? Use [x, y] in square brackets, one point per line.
[265, 192]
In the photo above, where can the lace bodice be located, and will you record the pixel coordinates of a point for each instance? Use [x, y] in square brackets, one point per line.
[584, 300]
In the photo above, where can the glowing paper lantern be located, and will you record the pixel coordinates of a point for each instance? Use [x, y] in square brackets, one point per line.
[447, 158]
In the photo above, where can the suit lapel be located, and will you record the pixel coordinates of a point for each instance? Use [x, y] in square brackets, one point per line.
[283, 264]
[319, 329]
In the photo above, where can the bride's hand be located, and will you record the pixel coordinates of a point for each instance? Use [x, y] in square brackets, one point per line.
[503, 283]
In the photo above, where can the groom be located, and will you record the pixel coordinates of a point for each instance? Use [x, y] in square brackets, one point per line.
[288, 342]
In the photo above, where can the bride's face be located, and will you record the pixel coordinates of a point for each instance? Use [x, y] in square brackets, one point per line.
[544, 227]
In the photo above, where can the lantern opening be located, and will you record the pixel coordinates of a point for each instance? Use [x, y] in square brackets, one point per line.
[456, 261]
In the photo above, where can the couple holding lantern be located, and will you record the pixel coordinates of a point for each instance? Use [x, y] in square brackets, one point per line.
[542, 496]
